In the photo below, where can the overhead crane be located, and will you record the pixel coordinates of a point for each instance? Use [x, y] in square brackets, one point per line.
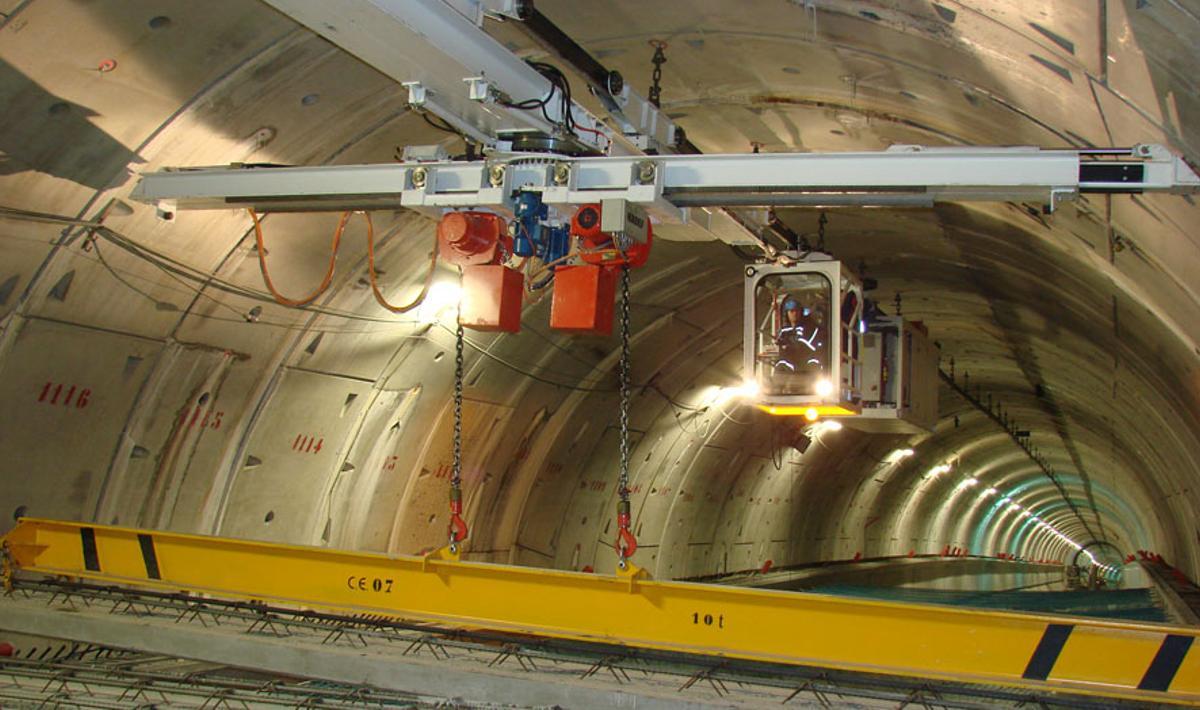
[542, 172]
[1079, 656]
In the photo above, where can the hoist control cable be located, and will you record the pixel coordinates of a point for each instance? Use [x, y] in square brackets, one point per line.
[324, 286]
[262, 263]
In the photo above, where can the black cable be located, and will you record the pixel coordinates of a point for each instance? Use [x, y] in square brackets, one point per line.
[560, 85]
[239, 317]
[442, 126]
[523, 371]
[183, 271]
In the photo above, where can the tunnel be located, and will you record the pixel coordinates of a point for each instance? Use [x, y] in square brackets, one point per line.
[151, 380]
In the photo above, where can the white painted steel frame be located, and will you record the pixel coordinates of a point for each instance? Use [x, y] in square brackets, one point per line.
[435, 47]
[938, 174]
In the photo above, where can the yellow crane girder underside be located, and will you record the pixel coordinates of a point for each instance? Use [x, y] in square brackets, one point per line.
[1137, 661]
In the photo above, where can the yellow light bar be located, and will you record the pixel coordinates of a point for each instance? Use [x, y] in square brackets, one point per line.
[792, 410]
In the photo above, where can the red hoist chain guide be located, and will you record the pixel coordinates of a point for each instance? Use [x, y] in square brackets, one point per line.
[479, 244]
[611, 235]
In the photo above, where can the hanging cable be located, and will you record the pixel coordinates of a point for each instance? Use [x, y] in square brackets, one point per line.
[262, 263]
[626, 543]
[458, 526]
[371, 271]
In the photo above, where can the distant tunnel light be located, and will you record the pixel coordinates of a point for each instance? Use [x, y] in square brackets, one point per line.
[441, 301]
[937, 470]
[824, 388]
[898, 455]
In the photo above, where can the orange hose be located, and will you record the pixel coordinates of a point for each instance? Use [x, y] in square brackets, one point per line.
[262, 263]
[371, 270]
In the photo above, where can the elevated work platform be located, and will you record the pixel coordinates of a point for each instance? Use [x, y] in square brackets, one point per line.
[1039, 653]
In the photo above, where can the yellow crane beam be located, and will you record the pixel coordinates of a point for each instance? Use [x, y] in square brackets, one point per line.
[1136, 661]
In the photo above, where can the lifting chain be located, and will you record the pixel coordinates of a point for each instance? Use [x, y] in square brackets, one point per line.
[458, 526]
[626, 543]
[659, 59]
[821, 222]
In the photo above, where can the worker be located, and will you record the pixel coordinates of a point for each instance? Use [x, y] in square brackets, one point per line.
[800, 340]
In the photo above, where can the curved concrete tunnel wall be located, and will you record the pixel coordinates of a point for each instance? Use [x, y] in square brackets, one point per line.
[211, 409]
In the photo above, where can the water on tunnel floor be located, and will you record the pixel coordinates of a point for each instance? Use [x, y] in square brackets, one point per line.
[977, 583]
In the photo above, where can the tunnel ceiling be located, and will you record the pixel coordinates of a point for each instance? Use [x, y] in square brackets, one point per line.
[147, 379]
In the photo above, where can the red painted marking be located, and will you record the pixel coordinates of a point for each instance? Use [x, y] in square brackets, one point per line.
[204, 421]
[319, 444]
[296, 442]
[195, 416]
[870, 522]
[79, 401]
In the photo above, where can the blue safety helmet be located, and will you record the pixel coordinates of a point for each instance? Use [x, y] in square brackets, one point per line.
[791, 305]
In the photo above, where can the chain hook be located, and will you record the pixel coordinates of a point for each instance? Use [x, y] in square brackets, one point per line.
[626, 543]
[458, 527]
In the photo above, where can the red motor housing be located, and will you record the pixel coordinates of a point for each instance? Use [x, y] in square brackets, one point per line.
[472, 238]
[586, 225]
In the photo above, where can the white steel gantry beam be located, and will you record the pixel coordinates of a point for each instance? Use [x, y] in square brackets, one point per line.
[454, 69]
[672, 187]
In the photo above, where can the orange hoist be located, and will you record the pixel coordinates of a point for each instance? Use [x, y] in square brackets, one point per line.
[582, 261]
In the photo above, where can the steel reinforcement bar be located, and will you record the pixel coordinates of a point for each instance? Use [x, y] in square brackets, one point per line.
[1075, 655]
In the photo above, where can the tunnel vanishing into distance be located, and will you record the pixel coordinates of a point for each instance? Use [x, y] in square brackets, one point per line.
[148, 379]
